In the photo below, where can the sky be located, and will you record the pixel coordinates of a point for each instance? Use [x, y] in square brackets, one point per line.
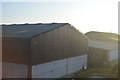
[85, 15]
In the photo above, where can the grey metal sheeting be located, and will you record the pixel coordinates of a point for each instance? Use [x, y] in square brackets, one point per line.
[27, 30]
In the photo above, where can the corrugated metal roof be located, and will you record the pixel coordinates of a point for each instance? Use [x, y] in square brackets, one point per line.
[103, 44]
[27, 30]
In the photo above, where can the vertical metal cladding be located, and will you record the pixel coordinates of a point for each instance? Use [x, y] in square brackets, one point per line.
[59, 43]
[93, 52]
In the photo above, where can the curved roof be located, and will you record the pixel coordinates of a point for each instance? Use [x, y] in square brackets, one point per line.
[27, 30]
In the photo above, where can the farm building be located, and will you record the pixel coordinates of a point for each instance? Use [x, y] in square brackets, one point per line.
[42, 50]
[103, 49]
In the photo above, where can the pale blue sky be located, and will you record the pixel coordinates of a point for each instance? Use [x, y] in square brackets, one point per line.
[85, 15]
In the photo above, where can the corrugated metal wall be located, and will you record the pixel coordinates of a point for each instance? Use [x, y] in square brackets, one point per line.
[97, 57]
[58, 44]
[15, 58]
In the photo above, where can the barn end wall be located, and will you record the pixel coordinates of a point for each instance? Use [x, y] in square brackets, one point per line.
[62, 42]
[15, 53]
[51, 51]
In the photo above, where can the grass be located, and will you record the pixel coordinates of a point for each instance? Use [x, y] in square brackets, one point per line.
[104, 72]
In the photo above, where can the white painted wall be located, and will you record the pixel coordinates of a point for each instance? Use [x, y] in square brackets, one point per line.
[59, 68]
[76, 63]
[52, 69]
[12, 70]
[113, 55]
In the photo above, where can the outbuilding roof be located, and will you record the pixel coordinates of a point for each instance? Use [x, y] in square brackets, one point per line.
[103, 44]
[103, 40]
[27, 30]
[103, 36]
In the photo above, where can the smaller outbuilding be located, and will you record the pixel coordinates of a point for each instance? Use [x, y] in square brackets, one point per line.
[103, 49]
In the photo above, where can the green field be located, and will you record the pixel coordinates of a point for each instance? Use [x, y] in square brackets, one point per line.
[103, 72]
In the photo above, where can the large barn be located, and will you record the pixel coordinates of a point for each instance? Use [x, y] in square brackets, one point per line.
[42, 50]
[103, 49]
